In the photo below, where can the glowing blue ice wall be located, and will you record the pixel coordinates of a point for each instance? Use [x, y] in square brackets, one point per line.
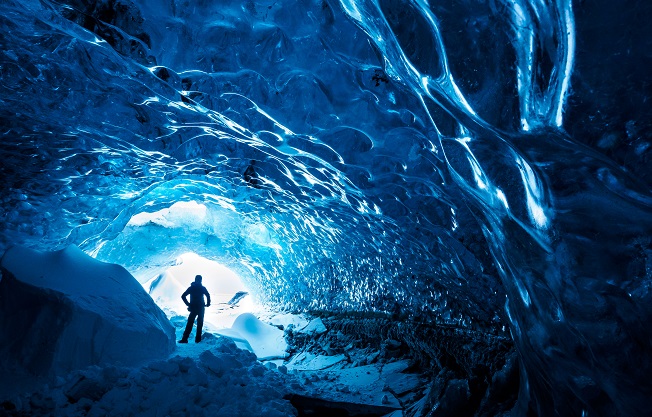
[569, 230]
[115, 108]
[386, 138]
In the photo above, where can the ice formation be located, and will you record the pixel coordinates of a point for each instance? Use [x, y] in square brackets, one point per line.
[479, 164]
[64, 310]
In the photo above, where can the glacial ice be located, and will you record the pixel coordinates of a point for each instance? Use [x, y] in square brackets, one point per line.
[63, 311]
[478, 164]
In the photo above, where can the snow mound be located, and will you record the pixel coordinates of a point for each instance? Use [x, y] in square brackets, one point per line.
[64, 310]
[222, 381]
[264, 340]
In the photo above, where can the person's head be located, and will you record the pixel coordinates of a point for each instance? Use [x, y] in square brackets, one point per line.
[198, 278]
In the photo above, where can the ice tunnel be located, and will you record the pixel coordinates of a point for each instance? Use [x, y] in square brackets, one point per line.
[481, 166]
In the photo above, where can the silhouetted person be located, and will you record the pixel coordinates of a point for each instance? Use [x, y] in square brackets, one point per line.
[251, 176]
[196, 308]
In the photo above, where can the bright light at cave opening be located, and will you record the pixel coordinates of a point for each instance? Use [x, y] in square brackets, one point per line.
[229, 296]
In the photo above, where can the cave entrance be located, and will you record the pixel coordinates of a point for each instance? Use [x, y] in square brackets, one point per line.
[229, 295]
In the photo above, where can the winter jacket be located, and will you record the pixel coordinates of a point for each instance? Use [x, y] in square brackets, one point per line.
[196, 292]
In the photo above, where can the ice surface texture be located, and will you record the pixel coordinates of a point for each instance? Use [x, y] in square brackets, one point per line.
[64, 310]
[387, 136]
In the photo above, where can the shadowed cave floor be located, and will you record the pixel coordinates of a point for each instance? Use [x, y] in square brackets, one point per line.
[347, 365]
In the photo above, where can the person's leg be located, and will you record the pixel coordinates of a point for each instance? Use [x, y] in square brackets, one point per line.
[200, 325]
[186, 332]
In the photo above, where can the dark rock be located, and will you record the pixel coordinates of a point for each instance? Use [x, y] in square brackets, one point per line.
[454, 400]
[502, 392]
[318, 407]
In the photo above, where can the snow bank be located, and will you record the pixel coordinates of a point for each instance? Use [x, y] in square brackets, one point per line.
[64, 310]
[264, 340]
[223, 381]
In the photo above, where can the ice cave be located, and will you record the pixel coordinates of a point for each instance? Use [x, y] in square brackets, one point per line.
[416, 208]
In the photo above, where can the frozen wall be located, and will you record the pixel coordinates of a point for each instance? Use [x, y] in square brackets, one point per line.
[481, 163]
[63, 310]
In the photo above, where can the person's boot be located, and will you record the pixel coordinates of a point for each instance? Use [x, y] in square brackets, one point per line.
[184, 340]
[197, 339]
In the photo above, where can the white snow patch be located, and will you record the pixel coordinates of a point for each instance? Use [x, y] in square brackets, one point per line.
[297, 321]
[306, 361]
[367, 385]
[361, 385]
[315, 326]
[266, 341]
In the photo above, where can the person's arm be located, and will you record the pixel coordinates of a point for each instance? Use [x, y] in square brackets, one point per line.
[208, 297]
[184, 295]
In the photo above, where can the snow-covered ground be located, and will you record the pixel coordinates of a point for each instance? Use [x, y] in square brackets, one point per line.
[217, 380]
[326, 378]
[242, 367]
[218, 377]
